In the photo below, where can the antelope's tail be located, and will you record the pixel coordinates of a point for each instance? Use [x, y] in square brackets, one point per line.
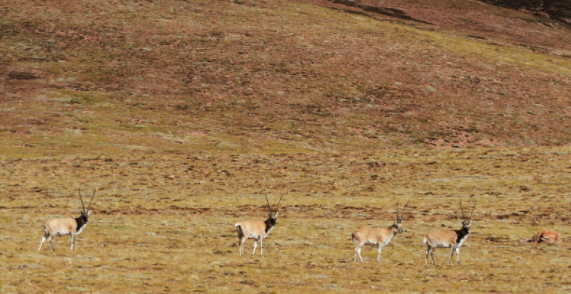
[239, 229]
[46, 231]
[353, 238]
[425, 240]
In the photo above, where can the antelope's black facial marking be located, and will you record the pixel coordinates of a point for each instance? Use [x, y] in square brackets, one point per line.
[273, 221]
[462, 234]
[81, 221]
[397, 228]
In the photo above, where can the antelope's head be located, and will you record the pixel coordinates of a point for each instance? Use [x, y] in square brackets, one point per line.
[398, 223]
[466, 222]
[85, 213]
[273, 216]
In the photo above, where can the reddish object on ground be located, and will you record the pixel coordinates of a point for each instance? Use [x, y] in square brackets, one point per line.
[546, 236]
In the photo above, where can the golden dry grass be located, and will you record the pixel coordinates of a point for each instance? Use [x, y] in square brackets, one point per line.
[181, 114]
[165, 223]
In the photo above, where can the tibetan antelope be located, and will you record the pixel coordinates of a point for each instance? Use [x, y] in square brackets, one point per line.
[377, 236]
[257, 230]
[545, 236]
[67, 226]
[449, 239]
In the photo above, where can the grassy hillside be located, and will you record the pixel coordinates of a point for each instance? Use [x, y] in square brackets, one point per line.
[183, 114]
[85, 77]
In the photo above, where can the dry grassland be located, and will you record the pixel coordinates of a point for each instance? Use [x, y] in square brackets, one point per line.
[165, 223]
[182, 114]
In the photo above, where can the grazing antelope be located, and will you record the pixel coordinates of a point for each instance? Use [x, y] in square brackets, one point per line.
[374, 236]
[257, 230]
[67, 226]
[449, 239]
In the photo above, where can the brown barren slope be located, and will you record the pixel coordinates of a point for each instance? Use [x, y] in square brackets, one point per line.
[278, 76]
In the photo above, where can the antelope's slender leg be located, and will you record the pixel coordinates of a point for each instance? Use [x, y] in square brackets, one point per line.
[52, 245]
[458, 255]
[240, 241]
[255, 245]
[358, 251]
[432, 256]
[72, 241]
[379, 255]
[42, 243]
[427, 252]
[46, 235]
[243, 243]
[451, 254]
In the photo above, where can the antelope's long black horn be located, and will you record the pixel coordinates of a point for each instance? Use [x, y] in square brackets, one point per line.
[83, 205]
[88, 206]
[472, 211]
[269, 207]
[402, 213]
[463, 218]
[279, 203]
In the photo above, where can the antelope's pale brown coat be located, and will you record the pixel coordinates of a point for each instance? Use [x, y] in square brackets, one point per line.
[67, 226]
[257, 230]
[448, 239]
[377, 236]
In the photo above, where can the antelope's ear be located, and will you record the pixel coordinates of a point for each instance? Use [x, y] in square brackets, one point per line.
[276, 215]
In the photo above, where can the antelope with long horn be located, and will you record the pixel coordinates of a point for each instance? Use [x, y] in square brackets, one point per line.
[67, 226]
[377, 236]
[257, 230]
[449, 239]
